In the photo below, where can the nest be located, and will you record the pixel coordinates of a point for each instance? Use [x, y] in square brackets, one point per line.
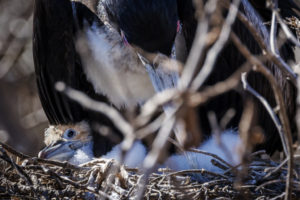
[35, 178]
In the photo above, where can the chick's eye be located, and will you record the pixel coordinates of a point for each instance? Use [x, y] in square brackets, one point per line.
[70, 133]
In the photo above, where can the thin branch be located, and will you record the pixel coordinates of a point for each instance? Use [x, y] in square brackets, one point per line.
[277, 60]
[269, 109]
[210, 154]
[97, 106]
[273, 32]
[197, 50]
[219, 88]
[284, 131]
[217, 47]
[290, 36]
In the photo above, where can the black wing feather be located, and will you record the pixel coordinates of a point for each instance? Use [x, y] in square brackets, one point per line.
[54, 57]
[56, 24]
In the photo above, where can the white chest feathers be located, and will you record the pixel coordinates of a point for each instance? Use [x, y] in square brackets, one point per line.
[134, 157]
[83, 155]
[113, 68]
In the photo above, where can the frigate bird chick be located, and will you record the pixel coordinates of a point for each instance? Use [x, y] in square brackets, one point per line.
[72, 143]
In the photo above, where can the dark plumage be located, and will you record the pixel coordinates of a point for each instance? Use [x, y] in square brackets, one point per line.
[56, 59]
[148, 24]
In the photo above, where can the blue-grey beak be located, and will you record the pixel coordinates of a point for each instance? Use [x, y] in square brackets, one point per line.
[161, 77]
[60, 150]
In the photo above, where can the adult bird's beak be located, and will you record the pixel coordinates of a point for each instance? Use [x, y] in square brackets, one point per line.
[60, 150]
[162, 70]
[161, 77]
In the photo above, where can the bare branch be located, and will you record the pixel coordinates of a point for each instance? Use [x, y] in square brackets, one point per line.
[217, 47]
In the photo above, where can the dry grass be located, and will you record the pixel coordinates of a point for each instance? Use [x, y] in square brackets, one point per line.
[36, 178]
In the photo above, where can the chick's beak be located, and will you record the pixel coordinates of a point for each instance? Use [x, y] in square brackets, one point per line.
[60, 150]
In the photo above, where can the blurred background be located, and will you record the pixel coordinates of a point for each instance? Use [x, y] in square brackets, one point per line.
[21, 114]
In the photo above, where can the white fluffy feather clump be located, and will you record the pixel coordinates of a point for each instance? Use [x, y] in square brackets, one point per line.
[134, 156]
[227, 150]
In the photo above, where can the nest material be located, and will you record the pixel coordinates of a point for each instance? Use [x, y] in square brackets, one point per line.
[35, 178]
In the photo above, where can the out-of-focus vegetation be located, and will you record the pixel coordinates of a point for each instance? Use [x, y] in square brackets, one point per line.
[20, 105]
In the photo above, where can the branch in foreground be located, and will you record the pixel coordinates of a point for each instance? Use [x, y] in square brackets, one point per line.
[288, 145]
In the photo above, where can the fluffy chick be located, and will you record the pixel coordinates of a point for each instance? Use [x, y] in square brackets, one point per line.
[72, 143]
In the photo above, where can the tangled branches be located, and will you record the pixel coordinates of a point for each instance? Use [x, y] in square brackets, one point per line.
[37, 178]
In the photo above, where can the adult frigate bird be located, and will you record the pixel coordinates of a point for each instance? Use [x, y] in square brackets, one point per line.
[72, 45]
[56, 24]
[105, 59]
